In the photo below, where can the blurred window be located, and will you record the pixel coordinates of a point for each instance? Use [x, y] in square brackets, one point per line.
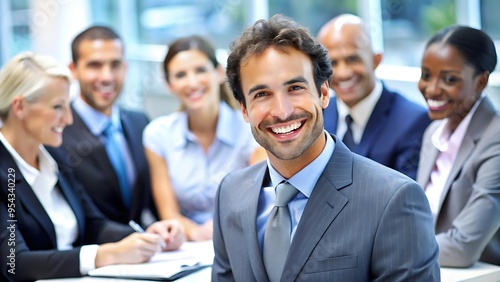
[312, 13]
[489, 18]
[147, 26]
[162, 21]
[490, 22]
[408, 24]
[21, 33]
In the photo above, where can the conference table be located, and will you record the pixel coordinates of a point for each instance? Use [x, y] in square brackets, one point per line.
[203, 253]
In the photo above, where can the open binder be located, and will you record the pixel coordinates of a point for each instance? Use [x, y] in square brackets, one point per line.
[153, 271]
[164, 266]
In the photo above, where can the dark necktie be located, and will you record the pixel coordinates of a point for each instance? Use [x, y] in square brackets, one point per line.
[348, 140]
[116, 157]
[278, 230]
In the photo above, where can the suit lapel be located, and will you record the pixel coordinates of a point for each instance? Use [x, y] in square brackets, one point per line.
[79, 132]
[80, 137]
[428, 155]
[375, 122]
[133, 139]
[33, 206]
[250, 222]
[478, 124]
[27, 198]
[75, 205]
[89, 147]
[325, 203]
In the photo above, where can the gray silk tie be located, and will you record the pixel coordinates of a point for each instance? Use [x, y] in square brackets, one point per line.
[277, 234]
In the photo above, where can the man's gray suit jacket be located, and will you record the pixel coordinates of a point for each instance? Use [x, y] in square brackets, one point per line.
[362, 222]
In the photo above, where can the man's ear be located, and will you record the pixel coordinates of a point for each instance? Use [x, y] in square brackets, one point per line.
[72, 68]
[377, 58]
[244, 112]
[325, 94]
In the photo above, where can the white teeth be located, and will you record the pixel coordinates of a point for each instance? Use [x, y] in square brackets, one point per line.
[346, 84]
[109, 88]
[58, 129]
[195, 95]
[436, 103]
[286, 129]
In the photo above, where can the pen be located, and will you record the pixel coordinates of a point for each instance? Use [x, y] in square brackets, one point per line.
[138, 228]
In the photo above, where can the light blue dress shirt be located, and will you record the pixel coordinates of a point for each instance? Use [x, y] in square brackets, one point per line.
[194, 174]
[304, 181]
[96, 123]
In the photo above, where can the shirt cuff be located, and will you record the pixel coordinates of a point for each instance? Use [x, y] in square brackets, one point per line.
[87, 258]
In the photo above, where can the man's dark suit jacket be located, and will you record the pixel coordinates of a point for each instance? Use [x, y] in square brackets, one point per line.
[36, 256]
[85, 154]
[393, 134]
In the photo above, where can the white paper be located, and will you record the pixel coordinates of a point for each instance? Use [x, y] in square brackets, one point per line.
[163, 264]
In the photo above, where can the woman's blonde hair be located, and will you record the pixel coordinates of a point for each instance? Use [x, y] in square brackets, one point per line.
[25, 75]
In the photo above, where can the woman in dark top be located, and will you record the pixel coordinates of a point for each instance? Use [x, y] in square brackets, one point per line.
[50, 227]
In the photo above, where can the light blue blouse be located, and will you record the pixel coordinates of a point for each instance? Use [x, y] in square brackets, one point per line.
[195, 176]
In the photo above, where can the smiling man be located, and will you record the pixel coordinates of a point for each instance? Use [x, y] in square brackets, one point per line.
[338, 216]
[104, 144]
[378, 123]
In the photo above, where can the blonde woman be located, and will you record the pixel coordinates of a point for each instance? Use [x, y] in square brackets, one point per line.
[57, 230]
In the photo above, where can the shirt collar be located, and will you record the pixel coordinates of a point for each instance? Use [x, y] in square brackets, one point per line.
[46, 162]
[226, 122]
[361, 112]
[305, 180]
[95, 120]
[443, 136]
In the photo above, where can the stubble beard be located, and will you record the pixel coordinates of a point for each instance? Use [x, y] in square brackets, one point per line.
[296, 151]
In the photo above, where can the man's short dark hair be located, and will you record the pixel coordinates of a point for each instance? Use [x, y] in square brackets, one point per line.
[92, 33]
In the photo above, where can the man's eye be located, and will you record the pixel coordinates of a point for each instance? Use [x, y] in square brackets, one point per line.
[424, 76]
[353, 59]
[296, 87]
[116, 65]
[94, 65]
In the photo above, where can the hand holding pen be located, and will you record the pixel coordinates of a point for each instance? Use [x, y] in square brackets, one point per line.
[137, 228]
[171, 232]
[135, 248]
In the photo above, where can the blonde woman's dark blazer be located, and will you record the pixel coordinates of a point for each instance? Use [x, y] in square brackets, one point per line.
[36, 254]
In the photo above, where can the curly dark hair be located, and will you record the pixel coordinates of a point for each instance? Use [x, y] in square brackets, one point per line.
[279, 32]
